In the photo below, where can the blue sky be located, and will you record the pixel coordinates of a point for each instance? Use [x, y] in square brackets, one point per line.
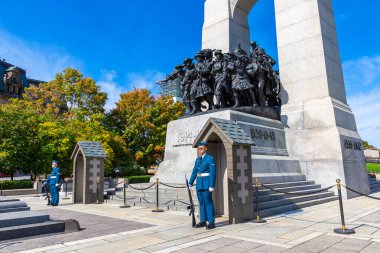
[124, 43]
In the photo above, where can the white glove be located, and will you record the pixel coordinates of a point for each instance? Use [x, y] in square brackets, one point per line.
[210, 189]
[44, 184]
[56, 185]
[190, 186]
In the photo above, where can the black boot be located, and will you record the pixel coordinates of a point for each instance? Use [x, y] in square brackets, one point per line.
[210, 101]
[210, 226]
[200, 225]
[254, 103]
[195, 108]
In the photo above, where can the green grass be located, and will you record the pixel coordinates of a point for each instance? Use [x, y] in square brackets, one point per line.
[373, 167]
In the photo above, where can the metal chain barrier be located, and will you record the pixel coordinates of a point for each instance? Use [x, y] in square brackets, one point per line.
[142, 189]
[176, 187]
[298, 194]
[183, 202]
[146, 201]
[361, 194]
[126, 198]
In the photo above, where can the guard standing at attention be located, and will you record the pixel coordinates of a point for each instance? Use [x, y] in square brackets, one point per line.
[205, 173]
[53, 181]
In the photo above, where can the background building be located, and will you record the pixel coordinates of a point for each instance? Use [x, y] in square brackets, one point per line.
[13, 81]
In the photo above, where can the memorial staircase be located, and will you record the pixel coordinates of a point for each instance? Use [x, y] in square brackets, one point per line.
[17, 221]
[297, 195]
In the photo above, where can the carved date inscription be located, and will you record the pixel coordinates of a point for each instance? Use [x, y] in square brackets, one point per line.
[353, 145]
[263, 134]
[186, 138]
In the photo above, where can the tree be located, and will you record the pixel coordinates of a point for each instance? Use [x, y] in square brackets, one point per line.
[141, 120]
[367, 145]
[21, 144]
[50, 119]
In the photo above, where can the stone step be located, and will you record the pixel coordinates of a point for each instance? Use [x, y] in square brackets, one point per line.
[289, 184]
[19, 231]
[268, 178]
[21, 218]
[375, 189]
[294, 199]
[15, 209]
[12, 204]
[290, 207]
[279, 196]
[7, 199]
[299, 188]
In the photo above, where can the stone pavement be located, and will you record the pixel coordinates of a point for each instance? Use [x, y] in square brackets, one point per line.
[309, 230]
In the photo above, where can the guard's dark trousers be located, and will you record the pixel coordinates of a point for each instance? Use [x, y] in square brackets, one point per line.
[206, 206]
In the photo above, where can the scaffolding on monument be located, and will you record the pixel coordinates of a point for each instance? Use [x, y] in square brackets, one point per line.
[172, 89]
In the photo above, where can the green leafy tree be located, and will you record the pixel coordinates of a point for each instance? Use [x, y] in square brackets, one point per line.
[22, 146]
[367, 145]
[49, 121]
[142, 120]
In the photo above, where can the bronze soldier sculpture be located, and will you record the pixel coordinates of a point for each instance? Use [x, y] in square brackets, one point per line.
[241, 85]
[186, 85]
[202, 89]
[235, 79]
[219, 71]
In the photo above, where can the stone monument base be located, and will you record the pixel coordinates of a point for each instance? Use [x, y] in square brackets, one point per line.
[269, 154]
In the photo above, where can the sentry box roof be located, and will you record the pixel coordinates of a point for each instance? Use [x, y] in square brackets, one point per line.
[89, 149]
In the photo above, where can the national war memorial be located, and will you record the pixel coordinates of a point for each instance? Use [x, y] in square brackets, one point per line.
[296, 121]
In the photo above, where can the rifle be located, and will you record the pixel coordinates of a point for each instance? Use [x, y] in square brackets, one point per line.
[191, 207]
[47, 194]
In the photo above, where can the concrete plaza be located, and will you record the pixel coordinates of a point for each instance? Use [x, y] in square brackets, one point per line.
[108, 228]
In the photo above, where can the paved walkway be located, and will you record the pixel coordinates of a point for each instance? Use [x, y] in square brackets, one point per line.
[310, 230]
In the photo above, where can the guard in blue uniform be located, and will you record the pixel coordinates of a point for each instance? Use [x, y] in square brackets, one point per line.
[205, 173]
[53, 181]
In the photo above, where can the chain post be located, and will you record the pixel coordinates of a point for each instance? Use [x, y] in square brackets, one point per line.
[258, 219]
[342, 230]
[125, 194]
[157, 210]
[65, 180]
[97, 189]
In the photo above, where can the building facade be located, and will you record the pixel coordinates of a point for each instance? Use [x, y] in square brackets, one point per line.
[13, 81]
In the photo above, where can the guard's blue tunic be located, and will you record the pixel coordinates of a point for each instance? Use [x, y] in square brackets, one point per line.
[204, 182]
[52, 180]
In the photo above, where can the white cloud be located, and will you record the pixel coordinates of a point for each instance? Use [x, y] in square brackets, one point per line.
[40, 61]
[364, 71]
[111, 87]
[366, 107]
[114, 89]
[145, 81]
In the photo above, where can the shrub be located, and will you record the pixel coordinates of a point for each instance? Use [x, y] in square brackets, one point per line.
[16, 184]
[139, 179]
